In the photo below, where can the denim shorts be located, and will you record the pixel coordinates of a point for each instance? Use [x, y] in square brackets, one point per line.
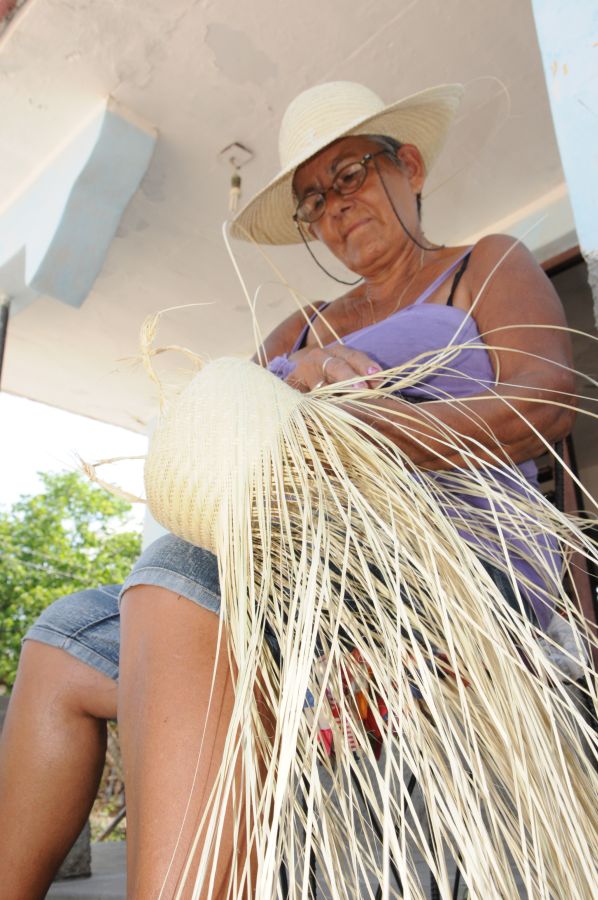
[87, 624]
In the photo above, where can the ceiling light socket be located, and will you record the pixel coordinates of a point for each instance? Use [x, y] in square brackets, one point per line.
[236, 155]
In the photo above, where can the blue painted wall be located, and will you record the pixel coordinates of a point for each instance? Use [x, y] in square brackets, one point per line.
[568, 38]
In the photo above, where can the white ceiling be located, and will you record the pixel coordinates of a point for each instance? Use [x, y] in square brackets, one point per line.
[212, 72]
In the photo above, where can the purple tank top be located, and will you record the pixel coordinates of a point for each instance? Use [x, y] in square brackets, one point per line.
[424, 328]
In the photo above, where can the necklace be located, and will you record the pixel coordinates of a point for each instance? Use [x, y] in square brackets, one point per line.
[397, 305]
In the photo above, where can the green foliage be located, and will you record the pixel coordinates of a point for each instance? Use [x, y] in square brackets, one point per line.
[69, 537]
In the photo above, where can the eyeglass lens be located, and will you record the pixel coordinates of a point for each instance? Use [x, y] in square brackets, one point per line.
[347, 180]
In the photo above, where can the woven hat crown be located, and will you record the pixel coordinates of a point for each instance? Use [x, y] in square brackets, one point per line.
[318, 115]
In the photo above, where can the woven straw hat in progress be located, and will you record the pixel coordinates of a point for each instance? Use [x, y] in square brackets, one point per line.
[325, 113]
[392, 640]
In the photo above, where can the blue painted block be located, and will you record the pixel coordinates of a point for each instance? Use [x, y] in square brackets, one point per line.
[66, 219]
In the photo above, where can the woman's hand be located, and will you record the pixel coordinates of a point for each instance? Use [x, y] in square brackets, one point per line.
[317, 366]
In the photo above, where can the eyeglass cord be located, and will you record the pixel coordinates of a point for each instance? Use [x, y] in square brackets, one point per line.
[401, 223]
[319, 264]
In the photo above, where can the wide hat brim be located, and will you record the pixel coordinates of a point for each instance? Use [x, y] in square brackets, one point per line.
[423, 119]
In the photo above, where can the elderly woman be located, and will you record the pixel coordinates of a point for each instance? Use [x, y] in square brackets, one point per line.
[352, 177]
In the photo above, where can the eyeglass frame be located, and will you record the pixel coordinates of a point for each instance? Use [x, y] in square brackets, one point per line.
[368, 157]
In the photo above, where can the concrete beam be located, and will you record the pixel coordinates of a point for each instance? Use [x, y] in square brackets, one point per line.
[546, 226]
[56, 230]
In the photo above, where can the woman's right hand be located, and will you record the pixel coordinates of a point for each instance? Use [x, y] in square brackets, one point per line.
[315, 367]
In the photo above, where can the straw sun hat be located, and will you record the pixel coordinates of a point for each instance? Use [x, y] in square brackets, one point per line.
[325, 113]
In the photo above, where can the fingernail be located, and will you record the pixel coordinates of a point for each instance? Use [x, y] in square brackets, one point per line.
[373, 369]
[360, 385]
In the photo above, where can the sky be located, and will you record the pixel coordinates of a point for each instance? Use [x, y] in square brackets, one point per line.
[36, 437]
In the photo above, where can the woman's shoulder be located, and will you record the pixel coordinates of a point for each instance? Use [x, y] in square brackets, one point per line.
[500, 259]
[507, 282]
[501, 250]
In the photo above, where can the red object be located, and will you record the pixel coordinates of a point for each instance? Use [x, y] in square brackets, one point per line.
[362, 703]
[6, 6]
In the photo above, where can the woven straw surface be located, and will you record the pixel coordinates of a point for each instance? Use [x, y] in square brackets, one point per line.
[209, 442]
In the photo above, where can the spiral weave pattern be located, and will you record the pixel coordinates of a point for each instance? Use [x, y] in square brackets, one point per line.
[208, 444]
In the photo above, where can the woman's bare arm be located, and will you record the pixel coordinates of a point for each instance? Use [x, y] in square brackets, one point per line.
[520, 316]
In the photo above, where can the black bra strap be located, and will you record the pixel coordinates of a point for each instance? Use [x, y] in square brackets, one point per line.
[457, 279]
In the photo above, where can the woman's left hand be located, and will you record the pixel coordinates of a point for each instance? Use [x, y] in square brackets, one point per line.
[317, 366]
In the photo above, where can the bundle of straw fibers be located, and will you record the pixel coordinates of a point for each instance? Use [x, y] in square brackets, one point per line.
[380, 648]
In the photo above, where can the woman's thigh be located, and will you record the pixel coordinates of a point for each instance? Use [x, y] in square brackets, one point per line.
[87, 623]
[179, 567]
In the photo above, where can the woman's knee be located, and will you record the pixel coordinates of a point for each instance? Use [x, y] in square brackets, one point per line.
[46, 671]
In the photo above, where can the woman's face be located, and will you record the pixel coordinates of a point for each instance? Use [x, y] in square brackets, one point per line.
[361, 229]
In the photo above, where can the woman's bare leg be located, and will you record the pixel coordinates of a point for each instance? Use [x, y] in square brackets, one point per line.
[54, 738]
[168, 655]
[51, 759]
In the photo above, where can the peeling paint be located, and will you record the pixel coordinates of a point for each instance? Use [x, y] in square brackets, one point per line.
[236, 57]
[574, 106]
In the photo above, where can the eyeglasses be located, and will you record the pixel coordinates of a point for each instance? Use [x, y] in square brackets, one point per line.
[347, 180]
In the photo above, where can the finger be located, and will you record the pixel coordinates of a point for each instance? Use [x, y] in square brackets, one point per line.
[294, 381]
[363, 363]
[359, 362]
[339, 369]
